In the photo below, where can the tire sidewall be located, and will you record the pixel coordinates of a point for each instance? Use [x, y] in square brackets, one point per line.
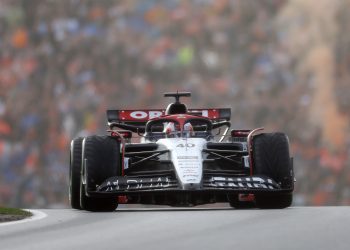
[75, 172]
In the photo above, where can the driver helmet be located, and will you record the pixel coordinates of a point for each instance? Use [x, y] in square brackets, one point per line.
[169, 128]
[188, 128]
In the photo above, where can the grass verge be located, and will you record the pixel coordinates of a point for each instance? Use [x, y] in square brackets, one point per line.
[12, 214]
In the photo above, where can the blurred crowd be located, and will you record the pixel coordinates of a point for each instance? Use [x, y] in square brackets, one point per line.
[63, 63]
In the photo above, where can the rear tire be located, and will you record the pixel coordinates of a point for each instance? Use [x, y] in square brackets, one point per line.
[272, 159]
[75, 172]
[101, 156]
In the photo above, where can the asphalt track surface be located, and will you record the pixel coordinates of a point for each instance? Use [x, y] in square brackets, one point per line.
[194, 228]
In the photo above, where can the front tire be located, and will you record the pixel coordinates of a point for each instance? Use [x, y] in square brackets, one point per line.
[276, 201]
[101, 156]
[271, 158]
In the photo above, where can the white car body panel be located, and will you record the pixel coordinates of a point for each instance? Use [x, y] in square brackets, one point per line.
[186, 155]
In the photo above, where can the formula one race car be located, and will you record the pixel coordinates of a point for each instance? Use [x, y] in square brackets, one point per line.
[182, 159]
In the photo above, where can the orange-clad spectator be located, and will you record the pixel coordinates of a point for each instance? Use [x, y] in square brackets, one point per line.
[63, 141]
[221, 85]
[5, 128]
[334, 161]
[97, 12]
[32, 161]
[2, 147]
[20, 38]
[320, 198]
[155, 15]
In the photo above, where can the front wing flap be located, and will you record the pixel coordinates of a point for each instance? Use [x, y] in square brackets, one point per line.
[124, 185]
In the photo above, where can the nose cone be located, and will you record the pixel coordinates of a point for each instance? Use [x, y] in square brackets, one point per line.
[191, 186]
[186, 156]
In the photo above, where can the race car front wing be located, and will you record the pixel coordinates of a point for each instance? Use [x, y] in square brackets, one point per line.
[124, 185]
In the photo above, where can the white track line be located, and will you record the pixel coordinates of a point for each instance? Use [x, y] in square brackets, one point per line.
[37, 215]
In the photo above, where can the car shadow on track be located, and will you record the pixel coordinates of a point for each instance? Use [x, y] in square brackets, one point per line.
[168, 209]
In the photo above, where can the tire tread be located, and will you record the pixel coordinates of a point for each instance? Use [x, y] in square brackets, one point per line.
[272, 158]
[103, 161]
